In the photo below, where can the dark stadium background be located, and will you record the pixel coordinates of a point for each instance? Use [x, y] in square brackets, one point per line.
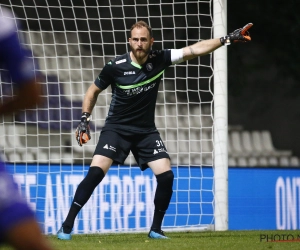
[264, 87]
[264, 75]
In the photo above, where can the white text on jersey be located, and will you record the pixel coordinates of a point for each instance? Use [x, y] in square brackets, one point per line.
[129, 73]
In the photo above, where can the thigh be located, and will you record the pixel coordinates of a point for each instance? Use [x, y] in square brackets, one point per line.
[113, 146]
[160, 166]
[149, 148]
[101, 162]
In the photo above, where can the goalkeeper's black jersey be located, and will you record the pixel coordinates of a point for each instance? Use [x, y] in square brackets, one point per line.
[134, 91]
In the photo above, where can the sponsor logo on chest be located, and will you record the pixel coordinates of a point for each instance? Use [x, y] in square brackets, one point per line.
[126, 73]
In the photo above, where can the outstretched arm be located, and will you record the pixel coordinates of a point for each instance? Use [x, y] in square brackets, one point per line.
[207, 46]
[201, 48]
[28, 96]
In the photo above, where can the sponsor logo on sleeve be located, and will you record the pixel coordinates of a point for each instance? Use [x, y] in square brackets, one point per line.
[121, 61]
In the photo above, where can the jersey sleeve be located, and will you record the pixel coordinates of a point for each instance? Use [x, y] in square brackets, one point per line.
[13, 208]
[15, 59]
[166, 57]
[105, 77]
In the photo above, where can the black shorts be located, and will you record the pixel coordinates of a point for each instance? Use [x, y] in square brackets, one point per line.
[144, 147]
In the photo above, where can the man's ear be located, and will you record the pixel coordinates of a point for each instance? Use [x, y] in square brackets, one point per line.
[151, 41]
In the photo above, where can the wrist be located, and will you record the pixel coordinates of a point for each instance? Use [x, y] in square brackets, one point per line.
[85, 117]
[225, 40]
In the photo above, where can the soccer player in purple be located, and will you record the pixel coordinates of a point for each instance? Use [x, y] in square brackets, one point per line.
[18, 225]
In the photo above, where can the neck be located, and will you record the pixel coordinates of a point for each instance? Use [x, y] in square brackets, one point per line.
[134, 59]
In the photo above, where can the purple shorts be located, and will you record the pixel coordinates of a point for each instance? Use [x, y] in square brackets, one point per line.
[13, 208]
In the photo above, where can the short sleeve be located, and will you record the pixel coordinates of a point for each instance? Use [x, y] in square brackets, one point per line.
[13, 55]
[105, 78]
[15, 59]
[167, 55]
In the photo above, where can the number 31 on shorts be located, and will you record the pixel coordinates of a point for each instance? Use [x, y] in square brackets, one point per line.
[159, 143]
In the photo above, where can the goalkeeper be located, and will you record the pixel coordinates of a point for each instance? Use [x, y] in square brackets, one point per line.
[18, 226]
[134, 78]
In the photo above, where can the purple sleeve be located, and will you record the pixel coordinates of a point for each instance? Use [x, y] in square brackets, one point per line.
[15, 59]
[13, 207]
[13, 215]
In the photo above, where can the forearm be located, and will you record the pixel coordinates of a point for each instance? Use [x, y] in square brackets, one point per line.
[90, 99]
[27, 235]
[89, 103]
[201, 48]
[28, 96]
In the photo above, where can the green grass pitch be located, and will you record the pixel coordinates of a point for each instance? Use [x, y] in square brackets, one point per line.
[233, 240]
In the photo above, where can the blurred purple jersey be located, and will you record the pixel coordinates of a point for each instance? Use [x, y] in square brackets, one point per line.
[13, 208]
[13, 56]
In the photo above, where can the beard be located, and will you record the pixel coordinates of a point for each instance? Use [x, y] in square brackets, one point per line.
[140, 54]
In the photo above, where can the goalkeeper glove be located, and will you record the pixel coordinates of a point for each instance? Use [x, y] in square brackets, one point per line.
[82, 132]
[239, 35]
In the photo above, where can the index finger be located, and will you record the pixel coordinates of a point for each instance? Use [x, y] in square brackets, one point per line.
[245, 28]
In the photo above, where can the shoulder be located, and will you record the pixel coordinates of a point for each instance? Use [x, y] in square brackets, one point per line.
[7, 23]
[154, 53]
[160, 57]
[117, 64]
[120, 59]
[114, 64]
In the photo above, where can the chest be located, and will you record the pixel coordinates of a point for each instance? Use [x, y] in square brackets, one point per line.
[130, 74]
